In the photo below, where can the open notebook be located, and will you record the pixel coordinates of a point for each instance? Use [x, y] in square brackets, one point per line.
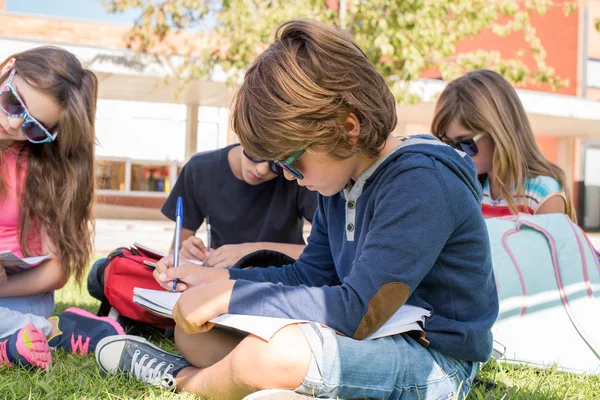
[406, 319]
[13, 263]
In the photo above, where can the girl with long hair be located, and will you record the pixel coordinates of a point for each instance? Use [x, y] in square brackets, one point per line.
[47, 139]
[480, 113]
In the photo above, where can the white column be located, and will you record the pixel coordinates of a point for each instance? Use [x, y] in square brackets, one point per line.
[191, 130]
[223, 126]
[566, 158]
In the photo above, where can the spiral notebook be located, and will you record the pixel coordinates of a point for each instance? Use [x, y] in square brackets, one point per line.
[407, 318]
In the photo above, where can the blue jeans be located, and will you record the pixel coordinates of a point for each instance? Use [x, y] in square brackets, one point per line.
[16, 312]
[394, 367]
[95, 280]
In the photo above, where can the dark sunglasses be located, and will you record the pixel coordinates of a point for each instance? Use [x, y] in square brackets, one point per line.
[273, 167]
[469, 146]
[13, 106]
[287, 164]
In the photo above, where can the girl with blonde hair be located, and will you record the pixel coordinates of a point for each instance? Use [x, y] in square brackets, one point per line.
[480, 113]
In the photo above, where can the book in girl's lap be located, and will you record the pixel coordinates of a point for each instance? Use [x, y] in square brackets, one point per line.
[46, 192]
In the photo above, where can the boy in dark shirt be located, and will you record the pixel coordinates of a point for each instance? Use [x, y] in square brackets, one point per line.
[398, 222]
[250, 204]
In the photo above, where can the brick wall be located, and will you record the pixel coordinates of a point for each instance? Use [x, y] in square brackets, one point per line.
[85, 33]
[594, 35]
[135, 201]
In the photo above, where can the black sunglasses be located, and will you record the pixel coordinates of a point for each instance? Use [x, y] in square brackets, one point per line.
[273, 167]
[469, 146]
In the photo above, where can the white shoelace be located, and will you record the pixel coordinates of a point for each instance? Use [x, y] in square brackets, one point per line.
[144, 371]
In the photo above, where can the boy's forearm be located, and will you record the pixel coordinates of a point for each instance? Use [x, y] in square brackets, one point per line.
[292, 250]
[47, 277]
[224, 298]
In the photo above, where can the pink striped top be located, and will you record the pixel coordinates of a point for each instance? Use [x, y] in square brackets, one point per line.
[537, 190]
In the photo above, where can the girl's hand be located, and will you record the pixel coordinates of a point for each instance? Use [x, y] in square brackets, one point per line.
[3, 277]
[197, 306]
[188, 275]
[226, 256]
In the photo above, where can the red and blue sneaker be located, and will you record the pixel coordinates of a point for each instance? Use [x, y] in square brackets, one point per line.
[80, 331]
[27, 347]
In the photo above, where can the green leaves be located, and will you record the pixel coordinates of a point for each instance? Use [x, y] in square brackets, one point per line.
[403, 38]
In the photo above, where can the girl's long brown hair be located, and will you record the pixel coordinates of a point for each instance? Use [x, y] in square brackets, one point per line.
[483, 101]
[58, 193]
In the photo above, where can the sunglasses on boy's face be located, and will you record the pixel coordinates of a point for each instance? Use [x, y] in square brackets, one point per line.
[287, 164]
[274, 168]
[13, 106]
[469, 146]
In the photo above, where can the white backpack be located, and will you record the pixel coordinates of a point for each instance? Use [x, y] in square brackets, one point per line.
[547, 274]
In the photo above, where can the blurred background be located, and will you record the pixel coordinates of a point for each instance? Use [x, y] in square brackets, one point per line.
[168, 71]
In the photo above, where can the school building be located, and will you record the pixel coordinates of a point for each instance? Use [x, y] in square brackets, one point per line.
[148, 125]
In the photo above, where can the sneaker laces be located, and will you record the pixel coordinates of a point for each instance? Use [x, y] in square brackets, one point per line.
[144, 371]
[4, 353]
[79, 346]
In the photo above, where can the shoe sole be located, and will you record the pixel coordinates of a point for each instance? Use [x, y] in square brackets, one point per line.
[123, 338]
[33, 347]
[88, 314]
[276, 394]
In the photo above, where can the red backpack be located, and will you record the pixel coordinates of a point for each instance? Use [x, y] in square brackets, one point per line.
[126, 269]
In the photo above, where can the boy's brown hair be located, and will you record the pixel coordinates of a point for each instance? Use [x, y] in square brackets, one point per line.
[299, 93]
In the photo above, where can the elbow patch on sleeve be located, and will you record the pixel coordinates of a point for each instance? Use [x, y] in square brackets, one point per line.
[388, 299]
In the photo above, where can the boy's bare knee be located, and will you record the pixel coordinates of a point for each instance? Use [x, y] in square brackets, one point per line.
[280, 363]
[205, 349]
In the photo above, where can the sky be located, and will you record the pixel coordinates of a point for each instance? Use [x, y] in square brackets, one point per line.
[90, 10]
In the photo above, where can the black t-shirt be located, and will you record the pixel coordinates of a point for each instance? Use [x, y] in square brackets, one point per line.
[239, 213]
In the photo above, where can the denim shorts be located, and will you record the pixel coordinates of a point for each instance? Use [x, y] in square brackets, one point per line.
[394, 367]
[38, 304]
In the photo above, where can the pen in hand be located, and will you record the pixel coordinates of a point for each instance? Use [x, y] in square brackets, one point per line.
[208, 233]
[178, 222]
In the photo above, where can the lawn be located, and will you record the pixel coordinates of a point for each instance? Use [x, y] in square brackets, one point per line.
[77, 377]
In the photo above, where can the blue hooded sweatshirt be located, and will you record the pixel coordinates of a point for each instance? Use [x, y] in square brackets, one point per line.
[408, 231]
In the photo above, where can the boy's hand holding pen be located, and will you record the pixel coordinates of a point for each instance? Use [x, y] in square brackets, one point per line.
[187, 274]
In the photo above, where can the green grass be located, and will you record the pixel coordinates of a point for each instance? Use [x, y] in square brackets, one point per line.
[78, 377]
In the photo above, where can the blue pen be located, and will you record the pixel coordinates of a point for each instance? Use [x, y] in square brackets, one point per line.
[208, 233]
[178, 222]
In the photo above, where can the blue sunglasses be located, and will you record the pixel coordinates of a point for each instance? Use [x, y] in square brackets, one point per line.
[13, 106]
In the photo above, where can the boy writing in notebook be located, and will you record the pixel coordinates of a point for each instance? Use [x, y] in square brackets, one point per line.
[250, 204]
[398, 222]
[251, 207]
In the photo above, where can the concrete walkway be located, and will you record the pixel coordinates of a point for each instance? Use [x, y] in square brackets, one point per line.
[113, 233]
